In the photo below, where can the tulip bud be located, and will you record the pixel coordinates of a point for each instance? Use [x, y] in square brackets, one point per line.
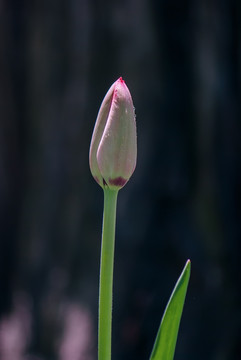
[113, 146]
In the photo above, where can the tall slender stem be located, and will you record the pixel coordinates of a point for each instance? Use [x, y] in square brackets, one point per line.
[106, 274]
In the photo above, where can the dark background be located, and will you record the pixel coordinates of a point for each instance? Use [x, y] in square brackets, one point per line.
[181, 62]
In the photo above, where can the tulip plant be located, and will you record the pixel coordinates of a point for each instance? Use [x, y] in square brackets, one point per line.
[112, 157]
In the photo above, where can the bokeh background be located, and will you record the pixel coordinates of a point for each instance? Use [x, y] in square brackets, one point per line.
[182, 63]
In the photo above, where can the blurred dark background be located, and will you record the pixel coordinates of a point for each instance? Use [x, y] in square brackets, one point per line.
[182, 63]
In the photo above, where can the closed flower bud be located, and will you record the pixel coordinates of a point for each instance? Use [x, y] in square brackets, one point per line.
[113, 146]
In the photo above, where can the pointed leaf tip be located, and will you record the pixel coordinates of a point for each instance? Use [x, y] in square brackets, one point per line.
[165, 343]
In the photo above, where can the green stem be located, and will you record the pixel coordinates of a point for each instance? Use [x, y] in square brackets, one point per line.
[106, 274]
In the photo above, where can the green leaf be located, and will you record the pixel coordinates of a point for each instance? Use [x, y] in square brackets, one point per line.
[165, 343]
